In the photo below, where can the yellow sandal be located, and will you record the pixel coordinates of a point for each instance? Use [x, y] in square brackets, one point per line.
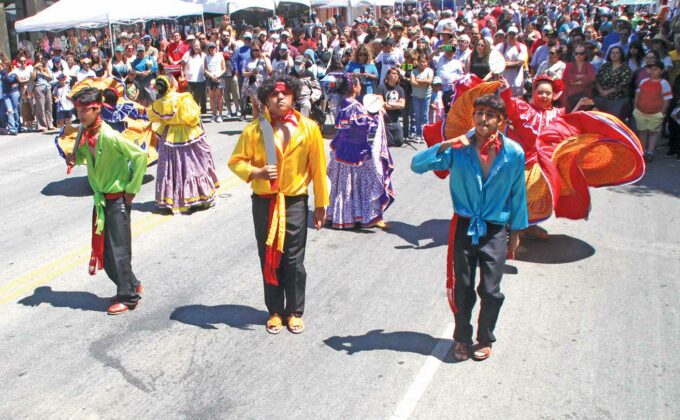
[295, 324]
[274, 324]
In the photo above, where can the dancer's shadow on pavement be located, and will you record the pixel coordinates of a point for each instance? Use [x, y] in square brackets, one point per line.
[231, 132]
[557, 249]
[84, 301]
[207, 317]
[76, 186]
[432, 233]
[399, 341]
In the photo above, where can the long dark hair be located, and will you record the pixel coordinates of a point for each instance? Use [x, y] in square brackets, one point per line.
[640, 52]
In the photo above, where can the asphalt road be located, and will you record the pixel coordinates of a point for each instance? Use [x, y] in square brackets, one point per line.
[588, 330]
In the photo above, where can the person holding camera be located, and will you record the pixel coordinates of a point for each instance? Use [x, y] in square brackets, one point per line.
[410, 60]
[256, 70]
[449, 69]
[362, 63]
[395, 101]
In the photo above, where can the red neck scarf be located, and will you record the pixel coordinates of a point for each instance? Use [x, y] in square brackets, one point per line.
[289, 118]
[91, 133]
[492, 143]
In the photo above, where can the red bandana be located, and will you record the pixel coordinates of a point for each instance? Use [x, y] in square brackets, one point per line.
[492, 143]
[289, 118]
[91, 133]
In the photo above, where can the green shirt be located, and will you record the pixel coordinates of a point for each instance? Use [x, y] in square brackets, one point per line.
[118, 166]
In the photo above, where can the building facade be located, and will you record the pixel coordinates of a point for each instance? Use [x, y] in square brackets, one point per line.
[10, 12]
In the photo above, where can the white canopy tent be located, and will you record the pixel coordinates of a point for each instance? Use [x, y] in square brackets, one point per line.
[237, 5]
[220, 7]
[88, 13]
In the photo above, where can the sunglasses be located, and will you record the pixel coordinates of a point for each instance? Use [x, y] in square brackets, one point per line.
[552, 53]
[579, 53]
[256, 50]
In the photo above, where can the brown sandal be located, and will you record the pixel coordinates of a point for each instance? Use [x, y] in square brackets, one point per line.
[274, 324]
[482, 352]
[461, 352]
[295, 324]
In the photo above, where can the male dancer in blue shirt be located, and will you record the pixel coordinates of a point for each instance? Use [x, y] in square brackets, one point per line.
[489, 197]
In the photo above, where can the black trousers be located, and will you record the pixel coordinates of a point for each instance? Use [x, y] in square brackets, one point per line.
[446, 100]
[198, 90]
[490, 254]
[118, 250]
[395, 135]
[289, 296]
[673, 136]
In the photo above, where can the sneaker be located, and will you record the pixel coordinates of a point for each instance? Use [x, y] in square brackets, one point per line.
[218, 119]
[243, 117]
[649, 157]
[671, 153]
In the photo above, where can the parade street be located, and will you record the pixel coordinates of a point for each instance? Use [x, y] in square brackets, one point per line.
[588, 329]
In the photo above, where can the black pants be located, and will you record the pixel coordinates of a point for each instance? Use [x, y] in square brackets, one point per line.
[289, 296]
[197, 90]
[118, 250]
[673, 136]
[395, 135]
[446, 99]
[406, 118]
[490, 254]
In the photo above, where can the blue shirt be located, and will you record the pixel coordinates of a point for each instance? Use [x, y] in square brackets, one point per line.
[368, 86]
[500, 199]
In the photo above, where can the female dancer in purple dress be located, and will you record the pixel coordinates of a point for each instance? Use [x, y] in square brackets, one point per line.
[360, 168]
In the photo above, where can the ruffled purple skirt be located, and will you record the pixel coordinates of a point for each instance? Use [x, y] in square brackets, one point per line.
[361, 194]
[186, 176]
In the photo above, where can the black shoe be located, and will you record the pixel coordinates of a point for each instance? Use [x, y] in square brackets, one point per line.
[671, 153]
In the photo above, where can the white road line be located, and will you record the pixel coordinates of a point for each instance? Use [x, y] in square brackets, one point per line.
[422, 380]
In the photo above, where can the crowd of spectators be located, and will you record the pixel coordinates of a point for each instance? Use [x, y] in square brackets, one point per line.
[626, 60]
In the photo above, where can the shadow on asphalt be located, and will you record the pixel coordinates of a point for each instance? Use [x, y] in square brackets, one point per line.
[435, 230]
[400, 341]
[231, 132]
[76, 186]
[84, 301]
[558, 249]
[207, 317]
[660, 176]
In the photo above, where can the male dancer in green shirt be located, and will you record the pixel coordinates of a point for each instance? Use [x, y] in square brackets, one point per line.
[115, 169]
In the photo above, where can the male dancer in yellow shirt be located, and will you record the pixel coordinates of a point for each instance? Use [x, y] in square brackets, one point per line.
[280, 154]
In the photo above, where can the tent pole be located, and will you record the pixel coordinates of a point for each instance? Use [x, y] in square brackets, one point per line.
[111, 38]
[203, 20]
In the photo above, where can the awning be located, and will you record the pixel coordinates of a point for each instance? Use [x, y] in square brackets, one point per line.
[67, 14]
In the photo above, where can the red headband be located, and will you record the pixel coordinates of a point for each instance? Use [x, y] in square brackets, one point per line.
[91, 104]
[281, 87]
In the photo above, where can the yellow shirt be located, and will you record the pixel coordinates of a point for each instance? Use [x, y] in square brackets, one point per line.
[304, 161]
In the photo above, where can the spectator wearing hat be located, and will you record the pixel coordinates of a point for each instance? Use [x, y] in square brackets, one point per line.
[567, 26]
[292, 49]
[310, 89]
[498, 37]
[282, 62]
[390, 57]
[463, 51]
[150, 49]
[85, 70]
[661, 45]
[446, 20]
[652, 99]
[60, 94]
[146, 69]
[449, 69]
[398, 35]
[215, 67]
[118, 67]
[516, 56]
